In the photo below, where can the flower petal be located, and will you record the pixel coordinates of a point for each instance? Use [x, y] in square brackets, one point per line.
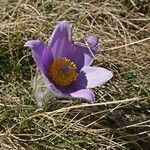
[47, 59]
[81, 56]
[74, 91]
[84, 93]
[93, 44]
[96, 76]
[60, 43]
[37, 47]
[84, 55]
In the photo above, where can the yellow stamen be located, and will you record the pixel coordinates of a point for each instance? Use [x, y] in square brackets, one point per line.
[63, 71]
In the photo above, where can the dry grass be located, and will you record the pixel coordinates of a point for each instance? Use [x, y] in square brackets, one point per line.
[120, 117]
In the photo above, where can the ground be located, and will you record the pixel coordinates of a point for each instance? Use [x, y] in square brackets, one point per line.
[120, 117]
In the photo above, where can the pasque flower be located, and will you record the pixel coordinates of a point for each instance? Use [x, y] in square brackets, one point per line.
[65, 65]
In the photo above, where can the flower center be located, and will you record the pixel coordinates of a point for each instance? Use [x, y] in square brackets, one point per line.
[63, 71]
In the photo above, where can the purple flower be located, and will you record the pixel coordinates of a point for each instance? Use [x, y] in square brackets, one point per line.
[65, 66]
